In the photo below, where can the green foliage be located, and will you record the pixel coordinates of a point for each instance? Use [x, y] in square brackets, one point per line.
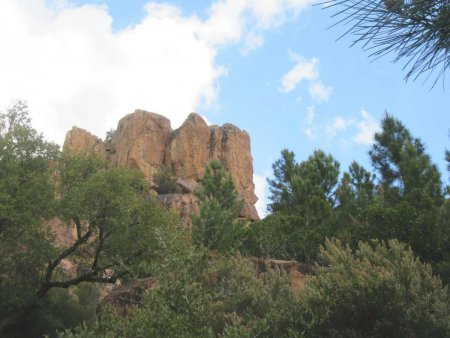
[306, 189]
[62, 309]
[407, 173]
[410, 192]
[26, 197]
[120, 232]
[218, 227]
[284, 236]
[209, 297]
[303, 201]
[378, 290]
[166, 181]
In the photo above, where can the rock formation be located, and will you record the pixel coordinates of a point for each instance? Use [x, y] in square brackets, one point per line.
[145, 141]
[139, 142]
[79, 139]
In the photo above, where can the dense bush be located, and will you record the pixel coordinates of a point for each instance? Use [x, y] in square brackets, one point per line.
[210, 297]
[378, 290]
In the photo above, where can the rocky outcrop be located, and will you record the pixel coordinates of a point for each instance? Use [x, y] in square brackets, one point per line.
[231, 146]
[192, 146]
[140, 141]
[145, 141]
[78, 139]
[187, 151]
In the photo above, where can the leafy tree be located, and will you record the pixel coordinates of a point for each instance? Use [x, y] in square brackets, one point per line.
[378, 290]
[118, 229]
[26, 197]
[417, 30]
[217, 226]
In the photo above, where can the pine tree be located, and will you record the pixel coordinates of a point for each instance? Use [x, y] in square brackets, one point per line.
[217, 227]
[416, 30]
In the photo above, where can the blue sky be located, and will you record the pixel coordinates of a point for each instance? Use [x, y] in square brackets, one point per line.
[271, 67]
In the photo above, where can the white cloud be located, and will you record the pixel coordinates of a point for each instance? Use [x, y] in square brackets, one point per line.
[367, 128]
[305, 70]
[310, 114]
[309, 130]
[261, 191]
[302, 70]
[339, 124]
[320, 92]
[75, 70]
[253, 41]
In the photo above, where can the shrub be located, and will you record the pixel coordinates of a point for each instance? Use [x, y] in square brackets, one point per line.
[379, 290]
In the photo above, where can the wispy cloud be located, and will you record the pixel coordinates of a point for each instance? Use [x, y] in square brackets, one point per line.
[367, 128]
[305, 70]
[320, 92]
[253, 41]
[309, 129]
[338, 125]
[352, 130]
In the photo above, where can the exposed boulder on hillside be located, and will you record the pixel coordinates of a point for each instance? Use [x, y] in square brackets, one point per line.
[145, 141]
[78, 139]
[139, 142]
[187, 151]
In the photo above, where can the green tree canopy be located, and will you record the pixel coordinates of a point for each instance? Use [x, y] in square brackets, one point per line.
[119, 231]
[378, 290]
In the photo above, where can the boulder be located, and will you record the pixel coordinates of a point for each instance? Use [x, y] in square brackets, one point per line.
[78, 139]
[187, 151]
[139, 142]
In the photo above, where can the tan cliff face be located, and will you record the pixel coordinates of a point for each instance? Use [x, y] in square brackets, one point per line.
[145, 141]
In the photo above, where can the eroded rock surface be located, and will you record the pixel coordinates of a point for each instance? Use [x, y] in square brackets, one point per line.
[139, 142]
[78, 139]
[145, 141]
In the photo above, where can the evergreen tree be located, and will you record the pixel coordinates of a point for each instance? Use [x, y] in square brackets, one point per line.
[284, 171]
[410, 192]
[217, 227]
[407, 172]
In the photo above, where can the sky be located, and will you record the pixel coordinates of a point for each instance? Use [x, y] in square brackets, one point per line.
[274, 68]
